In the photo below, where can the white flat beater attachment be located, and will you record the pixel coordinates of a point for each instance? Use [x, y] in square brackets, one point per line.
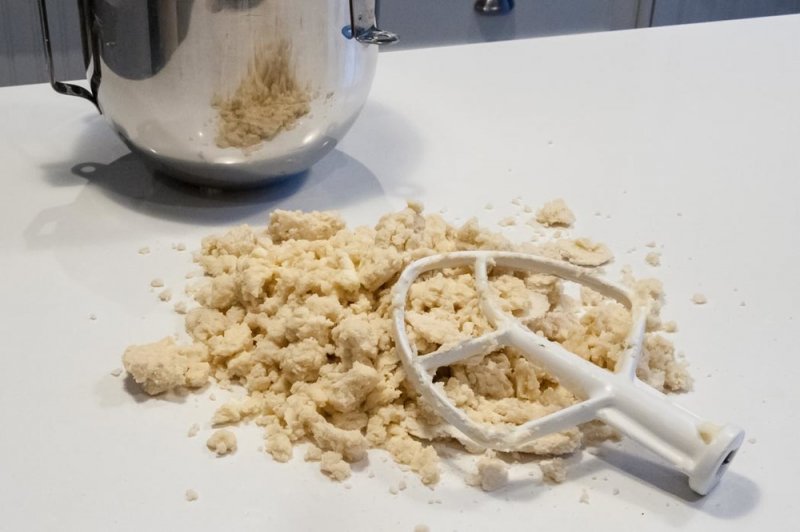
[700, 449]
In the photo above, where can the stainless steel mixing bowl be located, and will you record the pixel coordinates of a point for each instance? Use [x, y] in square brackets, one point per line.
[154, 68]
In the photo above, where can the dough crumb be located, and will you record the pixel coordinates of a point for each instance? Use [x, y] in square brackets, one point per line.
[422, 528]
[651, 244]
[180, 246]
[93, 316]
[116, 372]
[584, 252]
[191, 495]
[333, 465]
[669, 327]
[488, 207]
[492, 473]
[163, 365]
[699, 299]
[165, 295]
[157, 283]
[615, 491]
[653, 258]
[222, 442]
[555, 213]
[507, 221]
[752, 440]
[144, 250]
[553, 470]
[313, 453]
[193, 430]
[180, 307]
[584, 496]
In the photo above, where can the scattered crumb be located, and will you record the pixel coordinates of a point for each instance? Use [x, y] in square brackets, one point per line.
[144, 250]
[162, 366]
[507, 222]
[670, 327]
[516, 201]
[584, 252]
[371, 474]
[651, 244]
[191, 495]
[422, 528]
[212, 397]
[313, 453]
[192, 275]
[93, 316]
[402, 485]
[181, 307]
[488, 207]
[165, 295]
[193, 430]
[492, 473]
[157, 283]
[752, 440]
[116, 372]
[584, 496]
[653, 258]
[527, 209]
[615, 491]
[699, 299]
[333, 465]
[393, 490]
[222, 442]
[180, 246]
[553, 470]
[742, 304]
[555, 213]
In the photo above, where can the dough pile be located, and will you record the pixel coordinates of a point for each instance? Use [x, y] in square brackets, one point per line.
[296, 316]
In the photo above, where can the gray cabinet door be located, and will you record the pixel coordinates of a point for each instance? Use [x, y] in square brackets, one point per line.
[667, 12]
[435, 22]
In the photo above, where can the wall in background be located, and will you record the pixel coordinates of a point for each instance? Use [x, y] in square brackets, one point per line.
[419, 22]
[668, 12]
[435, 22]
[21, 54]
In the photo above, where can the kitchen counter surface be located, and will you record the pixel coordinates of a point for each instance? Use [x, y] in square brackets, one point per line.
[686, 136]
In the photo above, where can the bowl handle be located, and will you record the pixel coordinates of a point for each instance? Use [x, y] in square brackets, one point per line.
[59, 86]
[364, 24]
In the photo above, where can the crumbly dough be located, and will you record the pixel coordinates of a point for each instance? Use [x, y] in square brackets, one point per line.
[297, 316]
[699, 299]
[191, 495]
[492, 473]
[653, 258]
[163, 365]
[268, 100]
[332, 464]
[222, 442]
[553, 470]
[584, 252]
[555, 213]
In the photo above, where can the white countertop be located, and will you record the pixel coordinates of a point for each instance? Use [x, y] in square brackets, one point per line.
[687, 136]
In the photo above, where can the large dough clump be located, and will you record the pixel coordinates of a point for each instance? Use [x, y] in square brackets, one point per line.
[162, 366]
